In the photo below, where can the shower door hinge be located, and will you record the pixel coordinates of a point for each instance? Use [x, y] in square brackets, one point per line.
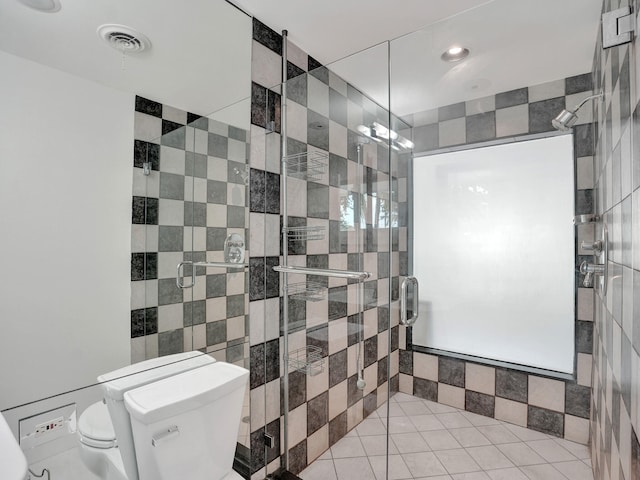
[617, 26]
[269, 440]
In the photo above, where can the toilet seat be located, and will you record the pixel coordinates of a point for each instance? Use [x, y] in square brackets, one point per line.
[95, 428]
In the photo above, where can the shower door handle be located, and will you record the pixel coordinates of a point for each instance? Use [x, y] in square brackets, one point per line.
[404, 320]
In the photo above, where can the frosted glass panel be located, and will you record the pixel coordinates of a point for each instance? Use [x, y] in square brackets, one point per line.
[494, 252]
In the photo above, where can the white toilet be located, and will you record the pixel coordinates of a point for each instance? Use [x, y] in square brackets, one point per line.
[186, 426]
[104, 429]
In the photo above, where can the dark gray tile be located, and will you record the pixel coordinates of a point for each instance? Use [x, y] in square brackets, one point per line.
[146, 152]
[577, 400]
[257, 450]
[636, 147]
[168, 292]
[624, 88]
[272, 278]
[626, 373]
[195, 214]
[481, 127]
[338, 242]
[267, 37]
[296, 84]
[406, 362]
[337, 368]
[426, 389]
[147, 106]
[512, 98]
[318, 130]
[395, 337]
[170, 239]
[337, 428]
[579, 83]
[317, 70]
[317, 412]
[320, 262]
[450, 112]
[635, 456]
[173, 135]
[584, 201]
[383, 370]
[273, 429]
[257, 190]
[171, 342]
[195, 165]
[426, 138]
[317, 200]
[298, 457]
[256, 365]
[235, 305]
[258, 105]
[370, 350]
[545, 421]
[480, 403]
[370, 297]
[171, 186]
[272, 360]
[216, 285]
[541, 113]
[584, 337]
[337, 171]
[144, 321]
[369, 404]
[512, 385]
[272, 193]
[583, 140]
[236, 216]
[216, 332]
[337, 302]
[196, 121]
[239, 134]
[337, 107]
[451, 371]
[194, 313]
[216, 192]
[218, 146]
[636, 308]
[216, 237]
[383, 319]
[319, 337]
[297, 389]
[235, 353]
[354, 394]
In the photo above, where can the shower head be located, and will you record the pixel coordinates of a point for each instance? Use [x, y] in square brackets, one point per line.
[567, 118]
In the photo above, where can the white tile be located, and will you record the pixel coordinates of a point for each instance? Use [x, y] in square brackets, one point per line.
[452, 396]
[469, 437]
[520, 454]
[546, 393]
[397, 468]
[471, 476]
[426, 422]
[411, 442]
[457, 461]
[265, 66]
[371, 426]
[506, 474]
[350, 468]
[480, 420]
[440, 440]
[348, 447]
[489, 457]
[575, 470]
[319, 470]
[414, 408]
[551, 451]
[453, 420]
[542, 472]
[498, 434]
[425, 366]
[576, 429]
[525, 434]
[401, 425]
[512, 120]
[377, 445]
[578, 450]
[424, 464]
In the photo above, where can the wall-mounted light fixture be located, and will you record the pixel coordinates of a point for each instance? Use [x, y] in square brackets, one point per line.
[383, 135]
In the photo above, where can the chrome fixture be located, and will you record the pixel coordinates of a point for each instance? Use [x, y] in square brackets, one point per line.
[323, 272]
[586, 218]
[385, 136]
[567, 118]
[180, 268]
[600, 266]
[455, 54]
[617, 27]
[234, 249]
[403, 302]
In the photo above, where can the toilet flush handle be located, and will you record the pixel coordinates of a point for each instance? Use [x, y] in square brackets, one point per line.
[165, 434]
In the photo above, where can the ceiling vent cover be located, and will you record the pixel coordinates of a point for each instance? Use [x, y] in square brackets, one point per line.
[124, 39]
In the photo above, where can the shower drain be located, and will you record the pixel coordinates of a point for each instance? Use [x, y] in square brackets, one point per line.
[124, 39]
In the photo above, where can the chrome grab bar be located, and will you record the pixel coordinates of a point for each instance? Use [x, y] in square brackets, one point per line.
[324, 272]
[180, 268]
[403, 302]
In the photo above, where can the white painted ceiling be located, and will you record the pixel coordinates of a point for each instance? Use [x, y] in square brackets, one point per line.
[200, 58]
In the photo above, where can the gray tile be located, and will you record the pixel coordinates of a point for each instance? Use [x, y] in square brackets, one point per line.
[546, 421]
[170, 239]
[480, 403]
[216, 285]
[451, 371]
[216, 237]
[426, 138]
[216, 332]
[449, 112]
[171, 186]
[481, 127]
[541, 113]
[426, 389]
[236, 216]
[216, 192]
[218, 146]
[171, 342]
[317, 412]
[168, 292]
[511, 98]
[579, 83]
[577, 400]
[235, 305]
[512, 385]
[318, 130]
[317, 200]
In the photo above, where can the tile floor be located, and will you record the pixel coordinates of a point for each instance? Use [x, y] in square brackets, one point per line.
[434, 441]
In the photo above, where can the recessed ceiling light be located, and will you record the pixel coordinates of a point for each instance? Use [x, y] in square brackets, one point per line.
[47, 6]
[455, 54]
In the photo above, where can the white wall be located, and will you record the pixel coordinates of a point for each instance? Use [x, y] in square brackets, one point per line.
[65, 212]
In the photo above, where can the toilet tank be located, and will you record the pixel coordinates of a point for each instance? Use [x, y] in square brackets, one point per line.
[186, 426]
[115, 384]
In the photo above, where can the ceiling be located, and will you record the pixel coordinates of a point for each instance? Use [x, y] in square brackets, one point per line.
[200, 58]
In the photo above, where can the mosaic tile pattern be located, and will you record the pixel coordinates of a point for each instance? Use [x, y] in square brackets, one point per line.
[614, 416]
[194, 197]
[431, 440]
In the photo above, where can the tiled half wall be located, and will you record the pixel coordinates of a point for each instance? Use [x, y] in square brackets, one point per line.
[544, 403]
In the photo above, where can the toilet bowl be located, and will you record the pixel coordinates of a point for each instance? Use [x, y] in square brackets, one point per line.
[104, 428]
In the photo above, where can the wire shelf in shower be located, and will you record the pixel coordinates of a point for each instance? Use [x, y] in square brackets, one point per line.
[307, 233]
[307, 360]
[307, 165]
[307, 291]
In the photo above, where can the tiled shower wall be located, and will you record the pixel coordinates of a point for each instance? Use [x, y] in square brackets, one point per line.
[615, 418]
[557, 407]
[323, 112]
[194, 197]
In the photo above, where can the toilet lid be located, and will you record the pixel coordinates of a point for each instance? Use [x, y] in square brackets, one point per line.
[95, 427]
